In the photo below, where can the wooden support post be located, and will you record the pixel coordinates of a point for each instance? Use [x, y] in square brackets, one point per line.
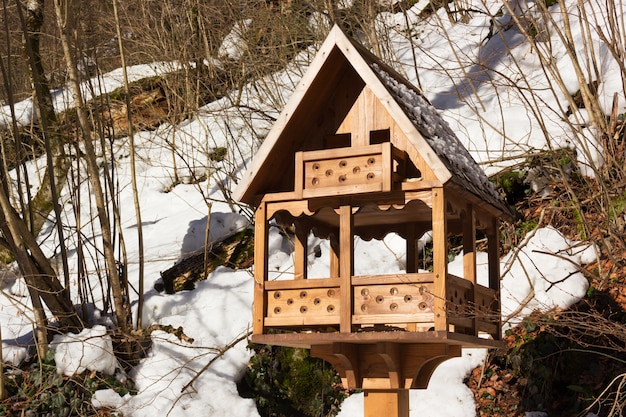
[387, 167]
[300, 250]
[299, 176]
[469, 245]
[334, 256]
[260, 269]
[411, 260]
[387, 403]
[346, 267]
[493, 252]
[493, 247]
[440, 258]
[411, 249]
[469, 259]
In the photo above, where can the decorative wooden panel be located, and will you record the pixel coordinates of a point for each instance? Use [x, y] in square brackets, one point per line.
[346, 171]
[393, 303]
[486, 303]
[460, 297]
[303, 307]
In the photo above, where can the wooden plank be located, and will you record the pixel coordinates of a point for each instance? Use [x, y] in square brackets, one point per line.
[412, 259]
[366, 115]
[393, 299]
[376, 116]
[469, 244]
[344, 175]
[299, 176]
[415, 278]
[424, 340]
[259, 310]
[350, 123]
[464, 322]
[400, 159]
[292, 321]
[334, 256]
[277, 197]
[315, 305]
[346, 266]
[493, 248]
[387, 180]
[341, 152]
[393, 318]
[302, 284]
[388, 403]
[296, 208]
[490, 328]
[440, 257]
[486, 292]
[300, 251]
[454, 281]
[396, 197]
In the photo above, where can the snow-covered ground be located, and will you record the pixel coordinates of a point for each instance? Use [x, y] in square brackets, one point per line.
[218, 311]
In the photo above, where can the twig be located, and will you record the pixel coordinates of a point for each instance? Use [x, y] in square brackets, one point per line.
[178, 332]
[221, 353]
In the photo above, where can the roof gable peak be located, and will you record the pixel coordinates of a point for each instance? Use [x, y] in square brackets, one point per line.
[341, 70]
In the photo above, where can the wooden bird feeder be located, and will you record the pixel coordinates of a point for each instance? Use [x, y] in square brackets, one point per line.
[358, 151]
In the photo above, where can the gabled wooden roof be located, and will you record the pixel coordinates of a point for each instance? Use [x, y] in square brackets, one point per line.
[337, 75]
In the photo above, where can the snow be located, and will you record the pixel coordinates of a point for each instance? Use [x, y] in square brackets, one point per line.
[91, 349]
[472, 80]
[542, 273]
[62, 98]
[107, 398]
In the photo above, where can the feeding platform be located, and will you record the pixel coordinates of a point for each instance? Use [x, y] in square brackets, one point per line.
[358, 151]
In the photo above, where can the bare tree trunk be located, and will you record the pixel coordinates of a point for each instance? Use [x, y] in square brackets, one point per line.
[38, 273]
[131, 136]
[32, 19]
[65, 20]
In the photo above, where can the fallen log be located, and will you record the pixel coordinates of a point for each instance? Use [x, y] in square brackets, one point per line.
[236, 251]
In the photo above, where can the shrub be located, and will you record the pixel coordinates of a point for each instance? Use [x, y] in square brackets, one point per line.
[287, 382]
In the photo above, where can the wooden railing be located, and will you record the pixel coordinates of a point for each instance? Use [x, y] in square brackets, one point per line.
[350, 170]
[397, 300]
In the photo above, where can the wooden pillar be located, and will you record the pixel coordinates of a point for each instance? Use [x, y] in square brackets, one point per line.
[411, 249]
[346, 267]
[469, 259]
[412, 263]
[493, 248]
[300, 250]
[334, 256]
[440, 258]
[386, 403]
[469, 244]
[260, 268]
[493, 252]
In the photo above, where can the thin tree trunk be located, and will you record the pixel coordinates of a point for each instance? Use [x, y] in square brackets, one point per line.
[65, 19]
[31, 15]
[41, 279]
[131, 136]
[38, 273]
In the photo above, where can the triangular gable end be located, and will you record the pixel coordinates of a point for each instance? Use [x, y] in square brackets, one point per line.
[342, 77]
[337, 59]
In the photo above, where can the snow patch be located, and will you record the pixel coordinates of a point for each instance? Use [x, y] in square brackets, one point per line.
[91, 349]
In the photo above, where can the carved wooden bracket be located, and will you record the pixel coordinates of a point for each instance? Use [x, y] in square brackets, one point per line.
[385, 365]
